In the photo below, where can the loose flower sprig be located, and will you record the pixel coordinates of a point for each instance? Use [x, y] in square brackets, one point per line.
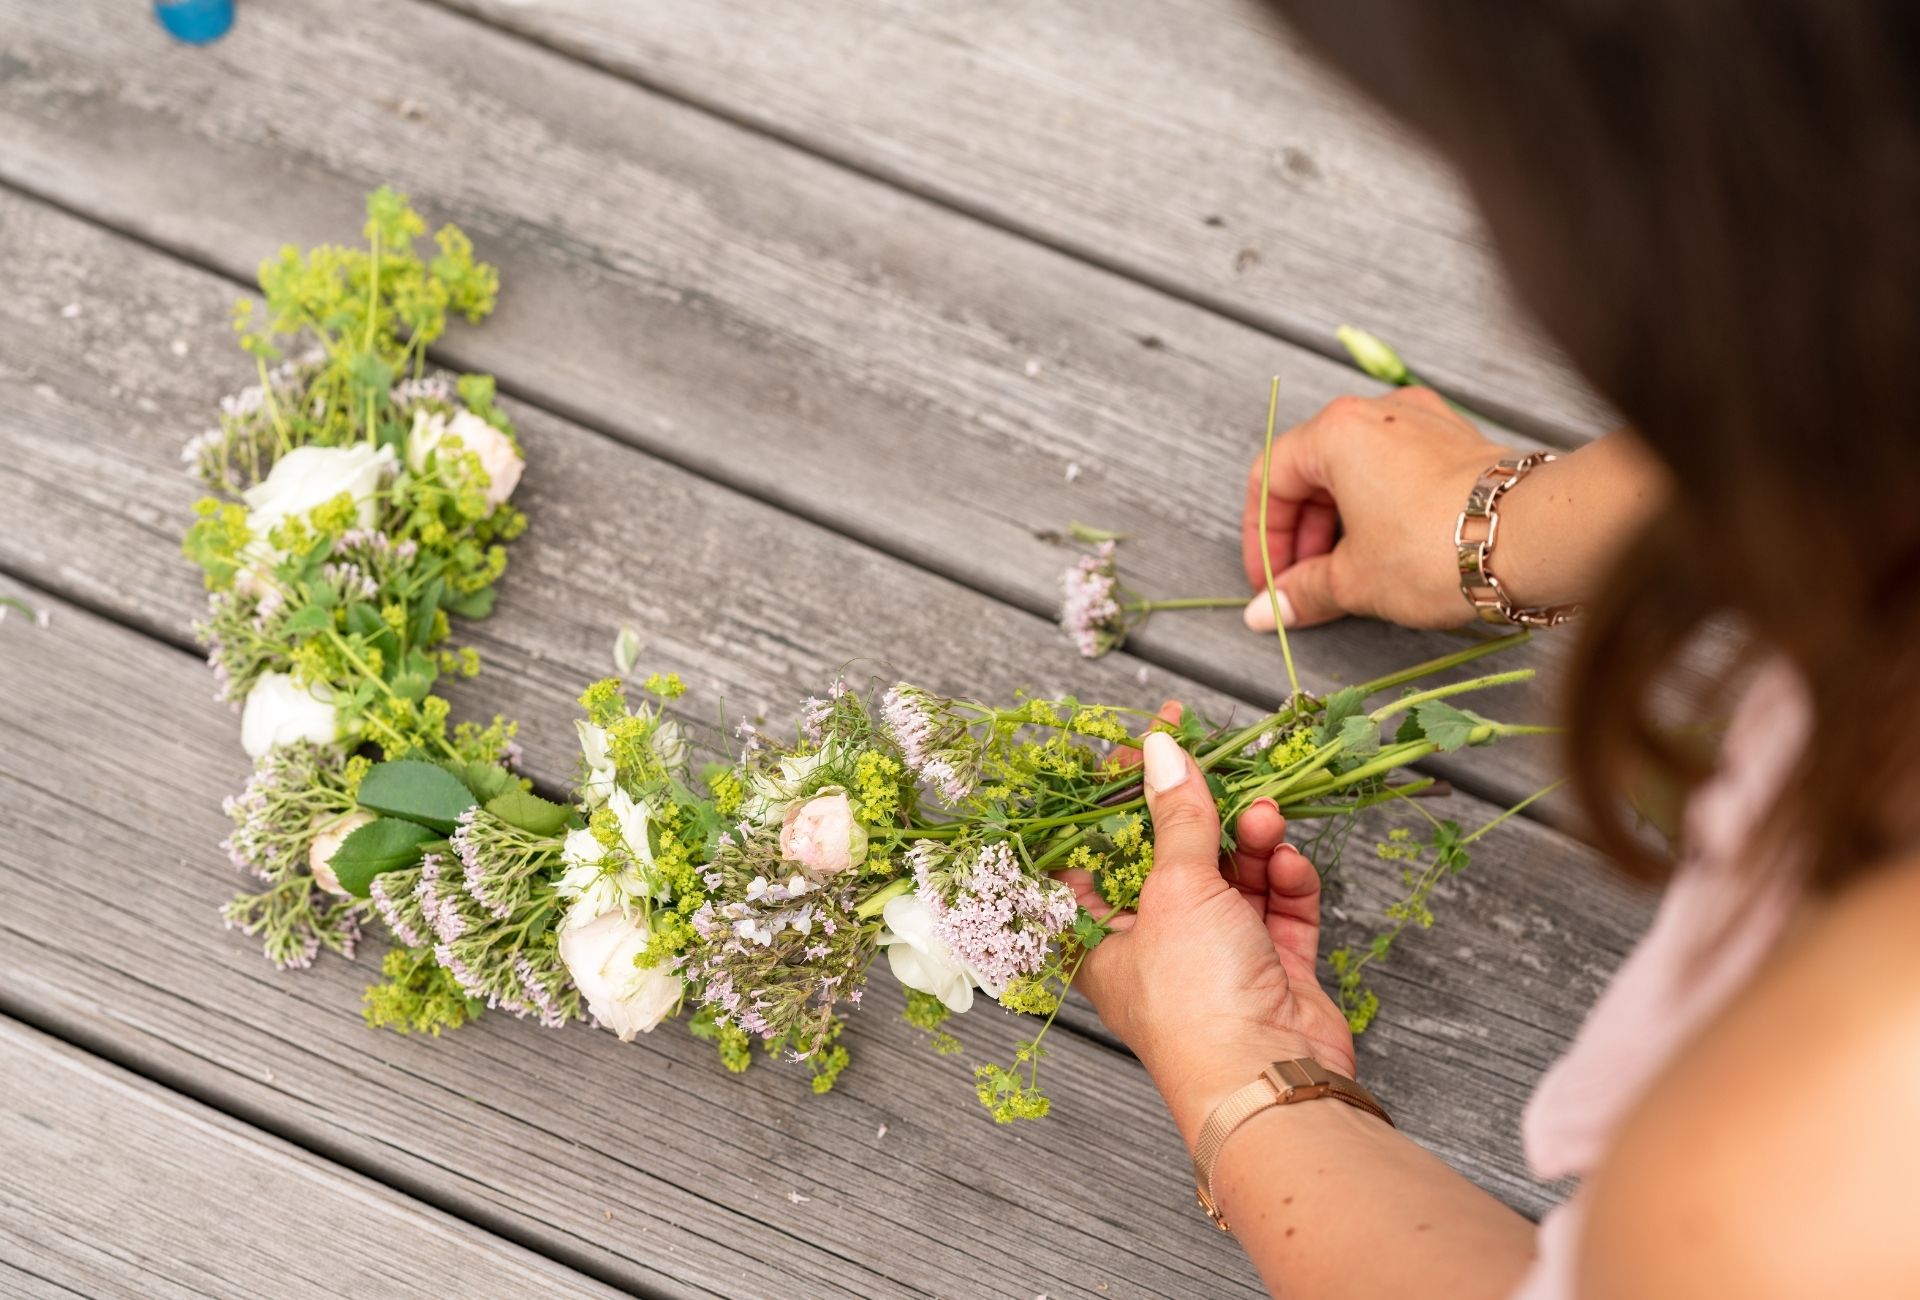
[1096, 612]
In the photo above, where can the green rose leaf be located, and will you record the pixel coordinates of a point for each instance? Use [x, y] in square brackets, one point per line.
[388, 844]
[416, 791]
[531, 813]
[486, 780]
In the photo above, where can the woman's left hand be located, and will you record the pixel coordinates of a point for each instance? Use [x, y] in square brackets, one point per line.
[1213, 978]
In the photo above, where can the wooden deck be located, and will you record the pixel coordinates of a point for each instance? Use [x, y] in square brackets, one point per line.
[824, 297]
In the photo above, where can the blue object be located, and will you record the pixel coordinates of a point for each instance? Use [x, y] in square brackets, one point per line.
[197, 22]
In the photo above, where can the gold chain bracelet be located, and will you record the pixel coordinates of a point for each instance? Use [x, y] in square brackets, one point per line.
[1474, 535]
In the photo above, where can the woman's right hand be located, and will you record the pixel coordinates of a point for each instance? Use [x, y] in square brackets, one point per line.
[1361, 508]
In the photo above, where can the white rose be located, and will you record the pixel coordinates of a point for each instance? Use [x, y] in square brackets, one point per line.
[496, 451]
[920, 960]
[331, 835]
[312, 476]
[278, 712]
[599, 953]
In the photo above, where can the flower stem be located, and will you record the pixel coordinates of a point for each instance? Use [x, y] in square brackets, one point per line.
[1491, 680]
[1492, 645]
[1266, 542]
[1145, 606]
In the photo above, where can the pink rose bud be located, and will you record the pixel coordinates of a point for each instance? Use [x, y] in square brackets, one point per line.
[823, 836]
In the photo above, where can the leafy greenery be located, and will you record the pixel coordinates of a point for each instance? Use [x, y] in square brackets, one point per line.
[418, 996]
[416, 791]
[386, 844]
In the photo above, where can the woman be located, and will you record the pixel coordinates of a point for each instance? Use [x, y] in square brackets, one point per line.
[1714, 207]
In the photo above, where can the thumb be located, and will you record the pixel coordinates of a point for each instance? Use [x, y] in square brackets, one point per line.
[1305, 594]
[1186, 826]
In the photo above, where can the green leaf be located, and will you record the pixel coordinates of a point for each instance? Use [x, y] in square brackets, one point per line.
[1410, 730]
[415, 676]
[307, 619]
[320, 595]
[1089, 930]
[1341, 705]
[1360, 736]
[418, 791]
[474, 604]
[388, 844]
[420, 619]
[485, 780]
[529, 812]
[363, 620]
[1448, 727]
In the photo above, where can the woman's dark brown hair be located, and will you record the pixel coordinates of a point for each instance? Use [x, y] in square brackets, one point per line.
[1714, 207]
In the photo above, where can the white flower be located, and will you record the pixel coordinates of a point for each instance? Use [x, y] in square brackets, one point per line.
[670, 744]
[599, 952]
[596, 884]
[312, 476]
[278, 712]
[330, 835]
[769, 794]
[498, 456]
[919, 959]
[599, 782]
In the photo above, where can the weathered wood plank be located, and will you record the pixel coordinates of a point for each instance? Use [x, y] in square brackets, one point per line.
[755, 608]
[115, 1187]
[816, 339]
[1192, 145]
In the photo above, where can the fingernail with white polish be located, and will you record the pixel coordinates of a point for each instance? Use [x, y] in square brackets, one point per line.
[1258, 614]
[1166, 762]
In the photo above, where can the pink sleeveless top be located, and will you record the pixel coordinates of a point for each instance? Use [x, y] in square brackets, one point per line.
[1719, 919]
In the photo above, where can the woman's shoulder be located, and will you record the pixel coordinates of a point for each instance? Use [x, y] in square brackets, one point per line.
[1777, 1156]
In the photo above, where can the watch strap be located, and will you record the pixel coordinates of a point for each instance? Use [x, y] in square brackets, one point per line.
[1280, 1084]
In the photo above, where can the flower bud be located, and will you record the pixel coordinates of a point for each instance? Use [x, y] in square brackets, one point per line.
[1374, 356]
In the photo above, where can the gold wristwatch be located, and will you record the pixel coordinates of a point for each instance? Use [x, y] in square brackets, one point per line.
[1283, 1082]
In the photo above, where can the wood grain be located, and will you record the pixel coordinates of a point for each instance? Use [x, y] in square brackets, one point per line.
[756, 609]
[859, 357]
[1193, 145]
[113, 1187]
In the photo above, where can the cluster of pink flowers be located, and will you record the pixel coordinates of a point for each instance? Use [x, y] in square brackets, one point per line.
[475, 868]
[992, 915]
[933, 742]
[439, 901]
[399, 910]
[1091, 614]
